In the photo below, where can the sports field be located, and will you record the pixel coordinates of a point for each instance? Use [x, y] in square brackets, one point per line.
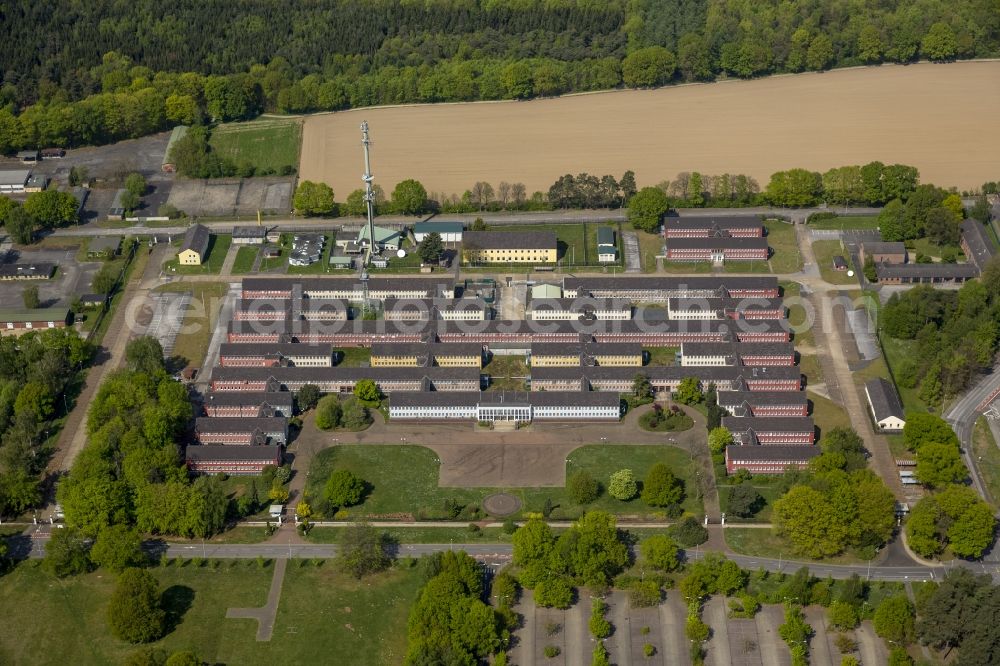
[933, 116]
[269, 143]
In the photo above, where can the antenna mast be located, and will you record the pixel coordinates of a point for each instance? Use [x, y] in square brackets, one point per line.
[369, 192]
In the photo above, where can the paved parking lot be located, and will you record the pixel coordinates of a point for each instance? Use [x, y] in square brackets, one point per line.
[72, 278]
[633, 258]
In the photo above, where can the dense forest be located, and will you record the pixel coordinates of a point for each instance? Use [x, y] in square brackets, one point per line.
[83, 73]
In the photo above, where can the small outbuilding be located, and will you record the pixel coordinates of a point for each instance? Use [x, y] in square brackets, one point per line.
[839, 263]
[450, 232]
[194, 248]
[886, 407]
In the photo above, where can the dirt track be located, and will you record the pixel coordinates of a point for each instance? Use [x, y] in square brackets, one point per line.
[937, 117]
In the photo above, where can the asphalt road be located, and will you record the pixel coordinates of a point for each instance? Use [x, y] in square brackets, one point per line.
[499, 219]
[962, 418]
[500, 554]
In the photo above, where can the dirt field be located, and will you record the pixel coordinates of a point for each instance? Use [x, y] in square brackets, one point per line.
[929, 115]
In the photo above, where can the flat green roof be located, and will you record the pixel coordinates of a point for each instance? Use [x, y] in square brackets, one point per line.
[40, 314]
[437, 227]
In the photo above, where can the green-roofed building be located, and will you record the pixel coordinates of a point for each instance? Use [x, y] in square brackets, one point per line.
[388, 239]
[607, 251]
[450, 232]
[17, 321]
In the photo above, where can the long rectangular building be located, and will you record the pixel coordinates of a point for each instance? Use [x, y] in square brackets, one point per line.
[558, 354]
[725, 308]
[276, 309]
[925, 273]
[771, 430]
[661, 288]
[551, 309]
[232, 460]
[717, 249]
[364, 333]
[774, 459]
[505, 406]
[347, 289]
[343, 380]
[706, 227]
[764, 403]
[248, 404]
[449, 309]
[241, 431]
[423, 355]
[665, 378]
[269, 355]
[709, 354]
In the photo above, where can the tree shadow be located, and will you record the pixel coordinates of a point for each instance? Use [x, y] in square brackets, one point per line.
[176, 601]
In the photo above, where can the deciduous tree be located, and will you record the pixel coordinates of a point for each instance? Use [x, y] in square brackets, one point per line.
[314, 198]
[646, 208]
[661, 487]
[622, 485]
[343, 488]
[409, 198]
[134, 612]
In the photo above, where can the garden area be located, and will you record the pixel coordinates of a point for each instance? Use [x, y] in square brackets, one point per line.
[672, 419]
[401, 482]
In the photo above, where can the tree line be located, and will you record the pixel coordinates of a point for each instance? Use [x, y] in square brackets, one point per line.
[98, 73]
[38, 373]
[953, 335]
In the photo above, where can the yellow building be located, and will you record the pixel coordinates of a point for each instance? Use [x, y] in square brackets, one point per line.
[195, 246]
[417, 355]
[556, 355]
[510, 247]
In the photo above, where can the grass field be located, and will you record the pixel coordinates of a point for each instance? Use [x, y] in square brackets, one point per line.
[825, 250]
[847, 223]
[215, 255]
[339, 615]
[896, 351]
[245, 256]
[506, 373]
[782, 241]
[354, 357]
[199, 322]
[984, 448]
[271, 143]
[845, 116]
[662, 355]
[404, 479]
[761, 542]
[931, 249]
[828, 414]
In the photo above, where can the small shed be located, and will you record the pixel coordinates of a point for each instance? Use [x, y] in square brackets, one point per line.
[546, 291]
[839, 263]
[28, 156]
[103, 246]
[88, 301]
[176, 134]
[36, 183]
[886, 407]
[117, 210]
[450, 232]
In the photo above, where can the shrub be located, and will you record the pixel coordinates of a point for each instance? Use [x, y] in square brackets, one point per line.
[648, 650]
[695, 629]
[645, 594]
[622, 485]
[554, 593]
[552, 651]
[600, 628]
[688, 533]
[583, 488]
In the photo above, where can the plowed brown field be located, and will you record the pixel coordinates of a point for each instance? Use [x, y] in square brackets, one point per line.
[940, 118]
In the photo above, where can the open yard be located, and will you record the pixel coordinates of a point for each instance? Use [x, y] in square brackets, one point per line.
[847, 223]
[784, 246]
[245, 256]
[828, 414]
[339, 615]
[267, 144]
[215, 255]
[848, 116]
[199, 321]
[404, 479]
[825, 251]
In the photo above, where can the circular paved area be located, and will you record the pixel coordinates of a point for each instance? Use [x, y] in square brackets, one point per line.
[501, 504]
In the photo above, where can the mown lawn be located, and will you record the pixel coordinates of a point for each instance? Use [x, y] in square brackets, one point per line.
[763, 542]
[354, 357]
[786, 257]
[929, 248]
[827, 414]
[404, 480]
[322, 612]
[218, 246]
[661, 355]
[987, 455]
[896, 351]
[245, 256]
[768, 492]
[650, 245]
[825, 251]
[271, 143]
